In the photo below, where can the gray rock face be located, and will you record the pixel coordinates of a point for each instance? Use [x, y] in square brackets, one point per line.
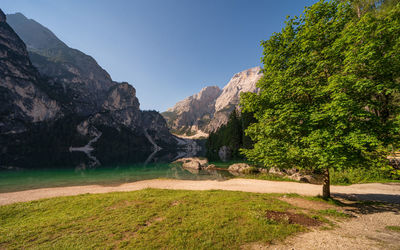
[78, 73]
[193, 113]
[229, 99]
[210, 108]
[22, 100]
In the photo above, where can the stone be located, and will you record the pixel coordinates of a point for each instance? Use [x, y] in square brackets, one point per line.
[291, 171]
[276, 171]
[193, 162]
[242, 168]
[210, 167]
[224, 153]
[192, 165]
[263, 170]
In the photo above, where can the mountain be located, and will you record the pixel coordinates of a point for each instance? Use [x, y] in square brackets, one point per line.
[22, 101]
[209, 109]
[229, 99]
[81, 78]
[193, 113]
[56, 100]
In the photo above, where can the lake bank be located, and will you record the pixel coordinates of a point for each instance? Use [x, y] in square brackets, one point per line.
[386, 192]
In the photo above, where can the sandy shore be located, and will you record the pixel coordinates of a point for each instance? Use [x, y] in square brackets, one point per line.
[375, 191]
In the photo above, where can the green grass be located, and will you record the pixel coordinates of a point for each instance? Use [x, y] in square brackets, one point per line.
[394, 228]
[334, 213]
[149, 218]
[267, 177]
[354, 176]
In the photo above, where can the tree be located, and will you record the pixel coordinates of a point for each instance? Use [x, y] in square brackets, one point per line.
[329, 92]
[231, 135]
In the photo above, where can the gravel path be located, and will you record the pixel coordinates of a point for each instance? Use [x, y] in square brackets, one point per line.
[366, 231]
[373, 191]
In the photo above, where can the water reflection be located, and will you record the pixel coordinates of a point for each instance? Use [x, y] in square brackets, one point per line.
[75, 167]
[102, 175]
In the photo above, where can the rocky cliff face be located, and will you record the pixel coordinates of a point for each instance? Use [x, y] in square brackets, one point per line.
[79, 74]
[69, 104]
[22, 101]
[210, 108]
[193, 113]
[229, 99]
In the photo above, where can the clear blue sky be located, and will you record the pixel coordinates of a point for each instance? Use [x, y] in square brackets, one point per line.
[166, 49]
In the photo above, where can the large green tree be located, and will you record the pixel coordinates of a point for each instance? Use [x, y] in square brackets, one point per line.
[329, 92]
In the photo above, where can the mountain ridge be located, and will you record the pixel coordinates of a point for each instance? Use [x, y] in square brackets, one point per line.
[87, 106]
[183, 120]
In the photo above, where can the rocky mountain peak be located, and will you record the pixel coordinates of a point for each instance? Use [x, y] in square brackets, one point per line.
[207, 110]
[244, 81]
[194, 112]
[203, 98]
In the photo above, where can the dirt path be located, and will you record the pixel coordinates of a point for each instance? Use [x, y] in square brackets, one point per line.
[373, 191]
[368, 230]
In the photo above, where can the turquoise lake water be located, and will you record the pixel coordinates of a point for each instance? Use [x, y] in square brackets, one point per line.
[18, 180]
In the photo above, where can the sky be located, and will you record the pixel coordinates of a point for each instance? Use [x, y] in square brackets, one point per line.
[167, 49]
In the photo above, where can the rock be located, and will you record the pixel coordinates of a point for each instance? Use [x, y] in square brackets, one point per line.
[244, 81]
[211, 107]
[23, 101]
[276, 171]
[224, 153]
[263, 170]
[242, 168]
[296, 177]
[291, 171]
[303, 178]
[210, 167]
[193, 163]
[309, 179]
[193, 113]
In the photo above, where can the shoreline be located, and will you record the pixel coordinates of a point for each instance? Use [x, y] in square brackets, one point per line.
[384, 192]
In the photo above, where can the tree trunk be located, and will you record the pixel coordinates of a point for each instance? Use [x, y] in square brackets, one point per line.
[326, 188]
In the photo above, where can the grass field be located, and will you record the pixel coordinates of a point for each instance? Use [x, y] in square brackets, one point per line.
[154, 218]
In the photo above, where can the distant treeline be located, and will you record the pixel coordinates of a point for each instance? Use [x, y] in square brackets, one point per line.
[231, 135]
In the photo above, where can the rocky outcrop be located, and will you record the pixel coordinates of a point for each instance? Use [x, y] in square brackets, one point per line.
[242, 168]
[193, 113]
[79, 75]
[211, 107]
[194, 163]
[229, 99]
[22, 100]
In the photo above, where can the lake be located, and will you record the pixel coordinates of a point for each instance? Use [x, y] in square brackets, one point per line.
[24, 179]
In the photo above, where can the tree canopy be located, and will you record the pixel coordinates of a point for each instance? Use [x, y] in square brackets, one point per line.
[329, 94]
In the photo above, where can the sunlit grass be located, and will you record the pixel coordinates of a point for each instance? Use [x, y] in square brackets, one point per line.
[150, 219]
